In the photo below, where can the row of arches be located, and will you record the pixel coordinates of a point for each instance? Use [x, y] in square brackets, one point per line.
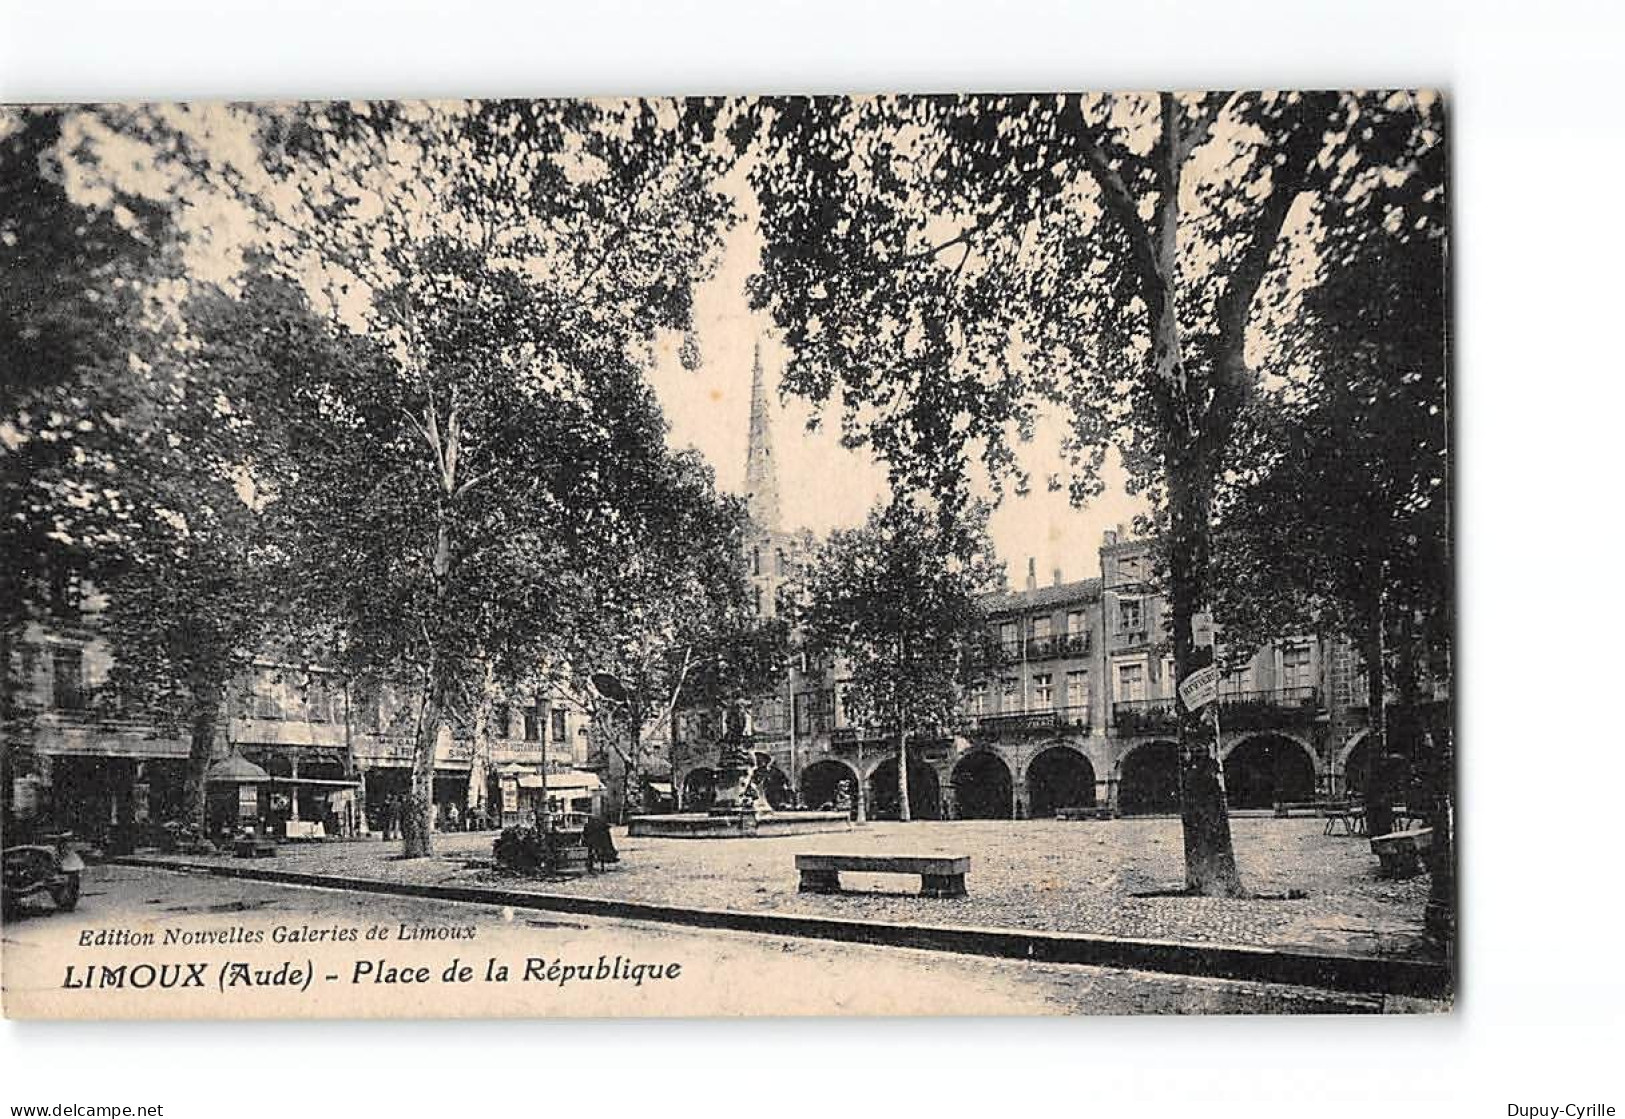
[1259, 771]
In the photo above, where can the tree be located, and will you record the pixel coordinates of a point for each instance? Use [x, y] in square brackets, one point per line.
[1336, 517]
[946, 264]
[899, 601]
[71, 280]
[508, 264]
[130, 455]
[668, 612]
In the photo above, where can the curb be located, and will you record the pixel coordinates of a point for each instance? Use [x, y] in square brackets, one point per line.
[1296, 967]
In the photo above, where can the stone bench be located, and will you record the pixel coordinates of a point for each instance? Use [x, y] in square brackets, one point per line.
[1400, 852]
[1098, 812]
[941, 876]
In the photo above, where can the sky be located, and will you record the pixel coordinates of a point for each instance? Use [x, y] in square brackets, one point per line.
[823, 486]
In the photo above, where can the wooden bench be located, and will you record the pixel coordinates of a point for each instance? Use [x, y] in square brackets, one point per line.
[1346, 813]
[1400, 852]
[941, 876]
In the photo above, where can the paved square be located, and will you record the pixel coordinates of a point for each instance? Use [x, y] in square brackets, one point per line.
[1030, 874]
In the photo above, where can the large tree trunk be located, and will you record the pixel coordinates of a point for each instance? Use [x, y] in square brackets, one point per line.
[1440, 915]
[208, 699]
[903, 812]
[417, 814]
[1210, 858]
[1379, 793]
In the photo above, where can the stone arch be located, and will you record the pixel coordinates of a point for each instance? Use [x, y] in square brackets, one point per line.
[699, 788]
[822, 780]
[924, 792]
[1148, 779]
[1354, 763]
[1261, 770]
[983, 786]
[775, 786]
[1060, 776]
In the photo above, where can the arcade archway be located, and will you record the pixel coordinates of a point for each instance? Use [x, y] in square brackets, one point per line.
[1060, 777]
[924, 793]
[1150, 780]
[1268, 769]
[982, 787]
[821, 783]
[776, 787]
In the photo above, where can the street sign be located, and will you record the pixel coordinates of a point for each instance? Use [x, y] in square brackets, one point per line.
[1200, 688]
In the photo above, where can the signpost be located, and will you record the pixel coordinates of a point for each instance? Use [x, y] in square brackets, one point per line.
[1201, 689]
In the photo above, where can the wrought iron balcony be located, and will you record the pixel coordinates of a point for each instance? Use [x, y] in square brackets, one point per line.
[1141, 716]
[1271, 707]
[1034, 719]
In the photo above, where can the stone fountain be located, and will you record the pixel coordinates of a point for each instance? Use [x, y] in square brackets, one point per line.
[740, 807]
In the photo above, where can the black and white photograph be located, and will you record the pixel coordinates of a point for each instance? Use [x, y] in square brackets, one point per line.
[539, 557]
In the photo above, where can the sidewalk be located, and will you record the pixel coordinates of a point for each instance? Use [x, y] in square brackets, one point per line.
[1035, 886]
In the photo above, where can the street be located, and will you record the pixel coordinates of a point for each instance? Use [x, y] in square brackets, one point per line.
[380, 956]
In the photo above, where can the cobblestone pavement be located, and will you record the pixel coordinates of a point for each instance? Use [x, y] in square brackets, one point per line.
[723, 973]
[1029, 874]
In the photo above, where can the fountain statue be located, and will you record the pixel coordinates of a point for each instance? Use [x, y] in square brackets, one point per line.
[739, 791]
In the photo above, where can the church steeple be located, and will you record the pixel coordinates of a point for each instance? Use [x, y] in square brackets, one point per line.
[761, 474]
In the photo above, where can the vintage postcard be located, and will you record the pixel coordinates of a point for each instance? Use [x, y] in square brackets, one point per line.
[922, 554]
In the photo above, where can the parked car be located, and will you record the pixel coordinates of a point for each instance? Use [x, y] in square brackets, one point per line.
[51, 868]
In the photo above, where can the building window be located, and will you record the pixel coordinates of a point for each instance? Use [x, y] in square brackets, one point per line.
[1077, 689]
[501, 721]
[778, 561]
[1297, 668]
[1007, 694]
[1129, 615]
[318, 701]
[1041, 626]
[268, 696]
[1077, 623]
[1130, 682]
[976, 699]
[68, 679]
[533, 725]
[756, 563]
[804, 705]
[758, 595]
[560, 732]
[1009, 639]
[1043, 692]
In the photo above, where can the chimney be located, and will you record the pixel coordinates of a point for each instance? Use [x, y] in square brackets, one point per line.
[1111, 537]
[1057, 576]
[1032, 574]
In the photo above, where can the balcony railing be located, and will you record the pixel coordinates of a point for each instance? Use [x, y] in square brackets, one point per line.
[1034, 719]
[1138, 716]
[1272, 707]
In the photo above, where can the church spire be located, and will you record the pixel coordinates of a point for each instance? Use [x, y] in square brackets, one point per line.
[761, 475]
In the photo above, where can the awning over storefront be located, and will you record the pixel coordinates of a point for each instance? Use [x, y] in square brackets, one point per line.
[562, 782]
[314, 782]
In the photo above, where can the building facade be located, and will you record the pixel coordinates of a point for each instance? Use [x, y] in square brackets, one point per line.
[1072, 707]
[336, 754]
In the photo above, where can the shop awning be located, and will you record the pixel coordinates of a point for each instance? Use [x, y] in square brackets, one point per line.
[575, 781]
[319, 782]
[662, 787]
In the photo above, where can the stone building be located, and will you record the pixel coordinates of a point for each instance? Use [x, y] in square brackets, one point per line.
[1073, 707]
[335, 754]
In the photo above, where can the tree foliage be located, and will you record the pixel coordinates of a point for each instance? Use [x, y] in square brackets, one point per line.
[943, 264]
[898, 600]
